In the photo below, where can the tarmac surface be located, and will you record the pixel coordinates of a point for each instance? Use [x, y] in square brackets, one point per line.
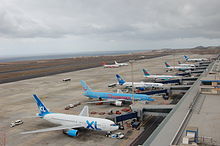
[16, 102]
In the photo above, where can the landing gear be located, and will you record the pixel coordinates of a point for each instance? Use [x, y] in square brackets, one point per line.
[121, 127]
[108, 133]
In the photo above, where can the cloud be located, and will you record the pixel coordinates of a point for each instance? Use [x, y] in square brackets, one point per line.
[141, 19]
[100, 21]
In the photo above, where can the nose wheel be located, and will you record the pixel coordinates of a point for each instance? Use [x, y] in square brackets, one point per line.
[108, 133]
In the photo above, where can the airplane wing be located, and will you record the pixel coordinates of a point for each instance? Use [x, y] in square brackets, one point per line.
[51, 129]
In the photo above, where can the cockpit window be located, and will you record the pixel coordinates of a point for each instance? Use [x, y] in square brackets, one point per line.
[113, 125]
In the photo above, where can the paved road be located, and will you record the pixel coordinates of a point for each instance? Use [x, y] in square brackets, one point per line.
[149, 127]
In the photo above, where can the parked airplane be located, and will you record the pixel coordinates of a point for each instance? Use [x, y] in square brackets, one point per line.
[190, 65]
[121, 64]
[194, 59]
[138, 85]
[69, 123]
[114, 98]
[110, 65]
[180, 68]
[162, 77]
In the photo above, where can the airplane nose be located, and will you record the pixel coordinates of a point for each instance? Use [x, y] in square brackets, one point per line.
[113, 128]
[116, 127]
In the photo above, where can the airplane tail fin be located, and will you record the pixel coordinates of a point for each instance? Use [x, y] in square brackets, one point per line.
[41, 107]
[85, 86]
[116, 62]
[120, 80]
[85, 111]
[186, 57]
[167, 65]
[146, 73]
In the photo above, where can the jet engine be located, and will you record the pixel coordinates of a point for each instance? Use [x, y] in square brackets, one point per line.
[71, 132]
[141, 88]
[118, 103]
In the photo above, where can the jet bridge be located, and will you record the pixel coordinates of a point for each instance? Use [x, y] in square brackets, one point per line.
[151, 109]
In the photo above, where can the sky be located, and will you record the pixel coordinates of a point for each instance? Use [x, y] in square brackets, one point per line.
[36, 27]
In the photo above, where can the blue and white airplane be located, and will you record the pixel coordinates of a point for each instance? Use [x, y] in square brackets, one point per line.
[69, 123]
[162, 77]
[138, 85]
[194, 59]
[114, 98]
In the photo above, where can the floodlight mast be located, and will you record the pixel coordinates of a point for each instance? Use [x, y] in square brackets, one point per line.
[132, 78]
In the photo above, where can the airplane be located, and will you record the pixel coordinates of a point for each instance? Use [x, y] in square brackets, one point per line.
[190, 65]
[179, 68]
[162, 77]
[110, 65]
[70, 123]
[194, 59]
[139, 85]
[121, 64]
[114, 98]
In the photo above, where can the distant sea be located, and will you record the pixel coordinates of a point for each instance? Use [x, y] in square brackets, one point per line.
[43, 57]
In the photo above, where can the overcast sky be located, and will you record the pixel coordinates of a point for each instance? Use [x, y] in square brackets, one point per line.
[33, 27]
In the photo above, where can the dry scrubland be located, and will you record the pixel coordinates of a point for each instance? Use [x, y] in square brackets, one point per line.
[15, 71]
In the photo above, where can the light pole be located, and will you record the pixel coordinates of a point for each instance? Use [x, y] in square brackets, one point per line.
[132, 78]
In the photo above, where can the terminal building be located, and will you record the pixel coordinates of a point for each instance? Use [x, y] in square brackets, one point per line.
[194, 119]
[210, 84]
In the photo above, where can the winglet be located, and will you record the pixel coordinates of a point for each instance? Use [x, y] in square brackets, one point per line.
[85, 111]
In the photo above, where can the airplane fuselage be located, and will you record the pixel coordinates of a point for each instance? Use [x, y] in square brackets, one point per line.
[81, 121]
[118, 96]
[188, 65]
[163, 77]
[121, 64]
[111, 66]
[143, 84]
[195, 59]
[181, 68]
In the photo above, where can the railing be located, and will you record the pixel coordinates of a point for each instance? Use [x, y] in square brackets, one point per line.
[206, 140]
[188, 114]
[190, 96]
